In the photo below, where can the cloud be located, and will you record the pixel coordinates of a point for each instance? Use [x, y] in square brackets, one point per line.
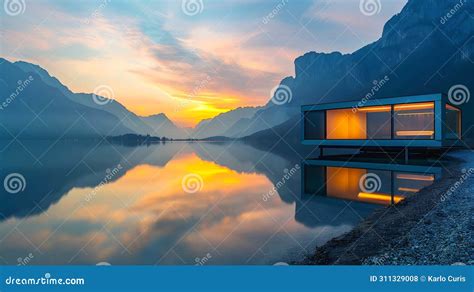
[154, 55]
[337, 15]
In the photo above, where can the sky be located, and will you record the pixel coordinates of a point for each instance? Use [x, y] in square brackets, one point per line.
[189, 59]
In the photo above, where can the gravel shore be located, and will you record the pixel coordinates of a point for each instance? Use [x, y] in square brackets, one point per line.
[433, 227]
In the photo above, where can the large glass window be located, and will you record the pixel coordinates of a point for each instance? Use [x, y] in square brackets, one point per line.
[315, 180]
[346, 124]
[409, 121]
[453, 122]
[379, 124]
[371, 186]
[363, 123]
[364, 184]
[411, 183]
[314, 125]
[414, 121]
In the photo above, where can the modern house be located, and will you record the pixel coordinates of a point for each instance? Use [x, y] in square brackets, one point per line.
[366, 182]
[412, 121]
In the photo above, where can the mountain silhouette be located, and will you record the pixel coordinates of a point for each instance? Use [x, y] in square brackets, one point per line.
[34, 109]
[64, 109]
[224, 124]
[164, 127]
[420, 52]
[78, 164]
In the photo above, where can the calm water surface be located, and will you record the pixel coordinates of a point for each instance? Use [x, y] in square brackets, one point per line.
[86, 203]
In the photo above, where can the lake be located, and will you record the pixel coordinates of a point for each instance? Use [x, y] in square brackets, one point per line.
[177, 203]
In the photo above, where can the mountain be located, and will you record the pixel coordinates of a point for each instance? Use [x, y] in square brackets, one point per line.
[243, 121]
[30, 108]
[129, 119]
[427, 48]
[83, 164]
[421, 51]
[44, 75]
[158, 125]
[163, 126]
[221, 125]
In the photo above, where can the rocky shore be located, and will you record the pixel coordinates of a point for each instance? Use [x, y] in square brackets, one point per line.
[433, 227]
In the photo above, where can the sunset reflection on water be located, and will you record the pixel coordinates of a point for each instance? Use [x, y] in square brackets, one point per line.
[143, 215]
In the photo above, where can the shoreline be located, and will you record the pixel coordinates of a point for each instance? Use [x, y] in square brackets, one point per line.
[434, 226]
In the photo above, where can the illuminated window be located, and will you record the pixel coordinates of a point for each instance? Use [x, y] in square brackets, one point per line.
[364, 184]
[414, 121]
[407, 121]
[453, 122]
[345, 183]
[346, 124]
[364, 123]
[411, 183]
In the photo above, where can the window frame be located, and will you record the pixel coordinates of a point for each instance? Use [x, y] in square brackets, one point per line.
[392, 123]
[459, 123]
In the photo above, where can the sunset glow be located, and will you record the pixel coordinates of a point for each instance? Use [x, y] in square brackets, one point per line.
[158, 59]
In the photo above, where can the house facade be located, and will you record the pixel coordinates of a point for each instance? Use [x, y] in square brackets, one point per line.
[410, 121]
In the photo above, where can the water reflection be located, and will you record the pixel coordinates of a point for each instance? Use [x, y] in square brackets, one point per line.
[368, 182]
[90, 202]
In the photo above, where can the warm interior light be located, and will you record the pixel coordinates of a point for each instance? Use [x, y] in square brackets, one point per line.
[415, 114]
[345, 124]
[380, 197]
[416, 177]
[410, 190]
[375, 109]
[415, 106]
[450, 107]
[343, 183]
[415, 133]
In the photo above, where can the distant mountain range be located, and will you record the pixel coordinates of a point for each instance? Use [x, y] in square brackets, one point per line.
[421, 50]
[224, 124]
[38, 105]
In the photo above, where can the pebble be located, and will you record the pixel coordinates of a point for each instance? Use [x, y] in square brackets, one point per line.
[448, 240]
